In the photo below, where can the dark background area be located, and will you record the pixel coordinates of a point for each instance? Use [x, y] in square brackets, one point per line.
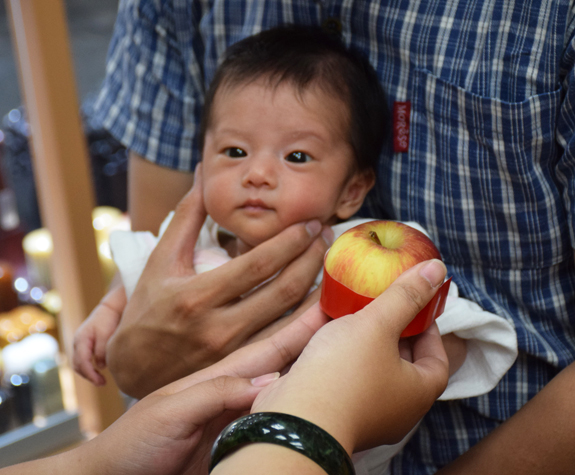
[90, 26]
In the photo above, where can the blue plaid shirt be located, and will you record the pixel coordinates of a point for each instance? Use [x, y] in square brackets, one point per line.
[490, 169]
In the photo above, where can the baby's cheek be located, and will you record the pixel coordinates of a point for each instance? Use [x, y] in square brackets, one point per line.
[310, 206]
[213, 200]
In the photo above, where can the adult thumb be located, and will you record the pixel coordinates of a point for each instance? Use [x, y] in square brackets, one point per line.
[181, 235]
[407, 296]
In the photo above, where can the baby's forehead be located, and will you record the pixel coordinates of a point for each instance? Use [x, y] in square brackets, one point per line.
[316, 87]
[313, 94]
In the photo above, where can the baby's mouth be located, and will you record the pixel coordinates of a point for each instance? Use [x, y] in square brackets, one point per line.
[255, 205]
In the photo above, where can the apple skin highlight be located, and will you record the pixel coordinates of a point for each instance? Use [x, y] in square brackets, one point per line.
[359, 262]
[364, 261]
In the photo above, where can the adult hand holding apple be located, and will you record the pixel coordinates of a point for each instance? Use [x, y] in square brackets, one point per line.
[366, 259]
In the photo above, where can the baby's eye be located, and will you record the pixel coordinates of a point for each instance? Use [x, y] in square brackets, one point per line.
[235, 152]
[298, 157]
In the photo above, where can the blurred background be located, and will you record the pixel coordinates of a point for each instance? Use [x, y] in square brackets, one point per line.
[90, 26]
[39, 412]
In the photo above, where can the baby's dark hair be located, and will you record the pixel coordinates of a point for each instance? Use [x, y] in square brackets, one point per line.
[308, 56]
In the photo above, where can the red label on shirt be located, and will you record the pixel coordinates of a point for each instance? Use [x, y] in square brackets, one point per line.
[401, 111]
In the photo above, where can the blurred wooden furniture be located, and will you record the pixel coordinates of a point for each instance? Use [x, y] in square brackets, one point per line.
[63, 181]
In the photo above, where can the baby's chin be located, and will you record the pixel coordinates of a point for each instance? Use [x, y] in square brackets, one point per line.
[247, 241]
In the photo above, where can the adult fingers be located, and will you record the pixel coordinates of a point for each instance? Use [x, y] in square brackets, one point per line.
[428, 345]
[405, 351]
[289, 288]
[265, 356]
[182, 233]
[398, 305]
[430, 358]
[283, 322]
[163, 433]
[199, 404]
[283, 347]
[298, 250]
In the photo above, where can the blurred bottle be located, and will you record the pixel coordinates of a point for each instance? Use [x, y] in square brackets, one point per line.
[11, 233]
[6, 411]
[18, 169]
[46, 387]
[32, 377]
[8, 295]
[9, 223]
[16, 383]
[9, 219]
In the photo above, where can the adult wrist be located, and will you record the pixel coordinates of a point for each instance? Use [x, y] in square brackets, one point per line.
[329, 414]
[286, 430]
[85, 459]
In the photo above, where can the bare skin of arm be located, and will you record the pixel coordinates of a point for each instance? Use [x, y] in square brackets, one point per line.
[538, 439]
[153, 192]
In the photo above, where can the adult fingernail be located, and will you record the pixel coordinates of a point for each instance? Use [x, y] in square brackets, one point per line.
[327, 235]
[264, 380]
[434, 272]
[313, 227]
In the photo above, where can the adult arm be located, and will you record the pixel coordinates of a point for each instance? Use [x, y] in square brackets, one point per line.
[539, 438]
[153, 191]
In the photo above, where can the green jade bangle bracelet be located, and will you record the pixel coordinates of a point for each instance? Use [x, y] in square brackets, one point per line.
[288, 431]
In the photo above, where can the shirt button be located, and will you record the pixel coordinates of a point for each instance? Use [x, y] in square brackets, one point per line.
[332, 25]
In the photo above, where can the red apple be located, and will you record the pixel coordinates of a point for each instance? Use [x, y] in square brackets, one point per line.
[366, 259]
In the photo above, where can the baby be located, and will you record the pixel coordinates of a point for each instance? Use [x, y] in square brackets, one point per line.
[293, 126]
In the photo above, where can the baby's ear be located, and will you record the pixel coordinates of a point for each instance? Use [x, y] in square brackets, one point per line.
[354, 193]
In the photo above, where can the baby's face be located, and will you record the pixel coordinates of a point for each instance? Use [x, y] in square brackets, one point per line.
[273, 158]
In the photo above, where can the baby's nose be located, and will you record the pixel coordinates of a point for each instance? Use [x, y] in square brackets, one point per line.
[261, 171]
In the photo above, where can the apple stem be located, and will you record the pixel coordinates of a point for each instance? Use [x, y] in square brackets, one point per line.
[375, 238]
